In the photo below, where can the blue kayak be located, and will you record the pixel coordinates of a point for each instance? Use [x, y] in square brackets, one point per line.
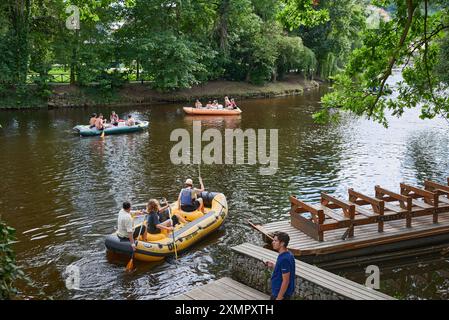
[86, 131]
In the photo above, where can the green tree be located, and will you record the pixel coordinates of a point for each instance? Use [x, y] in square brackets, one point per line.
[297, 13]
[292, 54]
[411, 41]
[10, 273]
[332, 41]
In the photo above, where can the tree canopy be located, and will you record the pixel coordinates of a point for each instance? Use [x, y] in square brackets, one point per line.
[414, 40]
[175, 44]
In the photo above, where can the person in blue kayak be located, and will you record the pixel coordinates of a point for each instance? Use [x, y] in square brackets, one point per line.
[283, 277]
[188, 200]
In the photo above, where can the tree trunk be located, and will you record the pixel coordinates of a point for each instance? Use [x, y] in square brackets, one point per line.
[20, 19]
[222, 27]
[274, 76]
[74, 61]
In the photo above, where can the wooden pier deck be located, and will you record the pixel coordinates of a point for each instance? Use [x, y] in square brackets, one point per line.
[223, 289]
[319, 277]
[367, 240]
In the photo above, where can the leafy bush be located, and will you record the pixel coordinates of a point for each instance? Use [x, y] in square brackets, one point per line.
[9, 271]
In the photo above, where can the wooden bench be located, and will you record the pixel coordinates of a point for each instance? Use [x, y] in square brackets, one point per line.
[396, 206]
[360, 209]
[423, 202]
[322, 216]
[443, 194]
[373, 214]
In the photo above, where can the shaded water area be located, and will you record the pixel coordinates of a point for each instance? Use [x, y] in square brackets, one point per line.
[62, 193]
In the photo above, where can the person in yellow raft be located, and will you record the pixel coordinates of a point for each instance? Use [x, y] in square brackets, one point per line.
[125, 229]
[188, 200]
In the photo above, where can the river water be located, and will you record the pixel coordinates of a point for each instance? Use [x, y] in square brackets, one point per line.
[62, 193]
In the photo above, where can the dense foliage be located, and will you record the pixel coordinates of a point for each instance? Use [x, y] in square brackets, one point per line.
[173, 43]
[414, 40]
[9, 271]
[176, 44]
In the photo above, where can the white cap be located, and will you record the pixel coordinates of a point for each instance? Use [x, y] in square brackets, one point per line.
[189, 182]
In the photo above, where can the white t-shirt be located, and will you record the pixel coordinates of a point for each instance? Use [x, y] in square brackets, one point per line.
[124, 224]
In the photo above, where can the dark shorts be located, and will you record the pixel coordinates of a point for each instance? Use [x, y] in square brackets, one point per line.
[135, 234]
[191, 207]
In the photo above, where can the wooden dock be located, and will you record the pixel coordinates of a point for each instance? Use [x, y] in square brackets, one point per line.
[344, 288]
[223, 289]
[363, 225]
[366, 240]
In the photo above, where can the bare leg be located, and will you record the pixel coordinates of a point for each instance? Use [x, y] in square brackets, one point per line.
[201, 204]
[181, 218]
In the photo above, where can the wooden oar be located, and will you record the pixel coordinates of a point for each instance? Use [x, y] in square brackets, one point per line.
[296, 252]
[259, 228]
[173, 233]
[130, 265]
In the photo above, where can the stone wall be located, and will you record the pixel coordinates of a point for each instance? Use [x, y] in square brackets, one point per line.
[253, 273]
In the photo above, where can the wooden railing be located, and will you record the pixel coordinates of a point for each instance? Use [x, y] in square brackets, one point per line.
[333, 213]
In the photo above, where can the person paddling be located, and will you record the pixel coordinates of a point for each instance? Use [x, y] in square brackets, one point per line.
[198, 104]
[209, 105]
[114, 118]
[228, 103]
[188, 200]
[154, 224]
[130, 122]
[93, 119]
[125, 224]
[233, 104]
[158, 221]
[99, 123]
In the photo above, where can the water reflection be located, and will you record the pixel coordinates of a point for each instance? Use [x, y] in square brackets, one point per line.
[217, 122]
[417, 278]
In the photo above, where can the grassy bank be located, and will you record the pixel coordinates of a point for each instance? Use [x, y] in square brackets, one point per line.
[136, 93]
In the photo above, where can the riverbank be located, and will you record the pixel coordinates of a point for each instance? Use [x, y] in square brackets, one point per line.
[69, 96]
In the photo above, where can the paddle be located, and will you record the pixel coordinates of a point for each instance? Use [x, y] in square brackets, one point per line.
[102, 134]
[259, 228]
[173, 233]
[130, 265]
[201, 180]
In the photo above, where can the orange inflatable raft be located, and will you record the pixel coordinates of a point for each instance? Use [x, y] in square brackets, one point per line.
[207, 112]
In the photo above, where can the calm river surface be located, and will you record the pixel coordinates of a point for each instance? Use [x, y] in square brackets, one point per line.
[62, 193]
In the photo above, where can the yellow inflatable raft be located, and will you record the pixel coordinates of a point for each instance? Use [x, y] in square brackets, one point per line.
[158, 246]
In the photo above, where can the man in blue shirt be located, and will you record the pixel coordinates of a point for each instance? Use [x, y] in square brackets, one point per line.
[283, 277]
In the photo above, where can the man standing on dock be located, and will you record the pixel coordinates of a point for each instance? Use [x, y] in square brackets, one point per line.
[283, 277]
